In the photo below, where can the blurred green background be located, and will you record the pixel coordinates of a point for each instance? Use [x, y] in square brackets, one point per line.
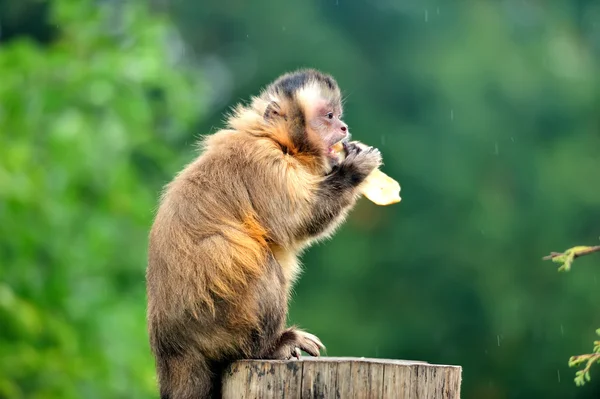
[486, 112]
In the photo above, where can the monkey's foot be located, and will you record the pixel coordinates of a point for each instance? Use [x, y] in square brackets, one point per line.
[293, 340]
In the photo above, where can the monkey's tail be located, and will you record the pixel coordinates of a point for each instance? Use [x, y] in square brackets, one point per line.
[188, 377]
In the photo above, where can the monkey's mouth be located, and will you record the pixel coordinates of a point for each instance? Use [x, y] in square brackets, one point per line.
[337, 150]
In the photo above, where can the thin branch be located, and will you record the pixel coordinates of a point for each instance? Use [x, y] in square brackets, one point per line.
[583, 376]
[567, 257]
[586, 251]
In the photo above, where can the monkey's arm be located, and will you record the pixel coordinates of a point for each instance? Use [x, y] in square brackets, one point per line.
[338, 191]
[292, 203]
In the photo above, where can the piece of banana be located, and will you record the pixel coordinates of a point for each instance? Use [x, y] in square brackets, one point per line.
[378, 187]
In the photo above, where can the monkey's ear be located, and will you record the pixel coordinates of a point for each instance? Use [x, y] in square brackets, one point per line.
[272, 111]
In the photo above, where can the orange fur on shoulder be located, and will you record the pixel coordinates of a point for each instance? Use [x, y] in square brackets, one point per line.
[250, 119]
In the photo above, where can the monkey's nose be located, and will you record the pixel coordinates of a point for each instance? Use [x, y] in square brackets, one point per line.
[344, 128]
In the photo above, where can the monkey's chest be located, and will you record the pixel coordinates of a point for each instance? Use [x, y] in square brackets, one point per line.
[289, 263]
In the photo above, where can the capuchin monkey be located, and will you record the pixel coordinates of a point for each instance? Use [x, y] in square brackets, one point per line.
[224, 246]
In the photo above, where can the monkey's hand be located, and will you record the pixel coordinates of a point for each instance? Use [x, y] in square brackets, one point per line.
[361, 159]
[293, 341]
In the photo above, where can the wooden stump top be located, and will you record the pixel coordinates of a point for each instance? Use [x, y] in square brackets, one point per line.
[341, 377]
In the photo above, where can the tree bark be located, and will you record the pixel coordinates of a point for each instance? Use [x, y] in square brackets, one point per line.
[330, 377]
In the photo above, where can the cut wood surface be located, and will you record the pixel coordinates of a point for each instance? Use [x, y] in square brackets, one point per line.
[341, 377]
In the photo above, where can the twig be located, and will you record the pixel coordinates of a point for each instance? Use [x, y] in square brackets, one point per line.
[581, 376]
[586, 251]
[567, 257]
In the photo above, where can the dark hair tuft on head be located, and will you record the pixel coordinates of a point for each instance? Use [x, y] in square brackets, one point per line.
[289, 83]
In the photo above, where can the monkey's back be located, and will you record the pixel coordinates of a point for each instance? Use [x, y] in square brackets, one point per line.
[211, 274]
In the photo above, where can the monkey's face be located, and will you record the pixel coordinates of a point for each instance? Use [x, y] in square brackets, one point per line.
[311, 100]
[326, 120]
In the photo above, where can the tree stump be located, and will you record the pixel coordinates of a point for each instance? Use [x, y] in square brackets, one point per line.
[343, 377]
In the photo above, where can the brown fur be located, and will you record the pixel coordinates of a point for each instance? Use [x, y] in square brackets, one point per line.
[224, 246]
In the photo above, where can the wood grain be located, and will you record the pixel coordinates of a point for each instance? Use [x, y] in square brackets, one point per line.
[340, 378]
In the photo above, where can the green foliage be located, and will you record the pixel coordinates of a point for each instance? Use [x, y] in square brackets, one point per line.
[581, 376]
[80, 171]
[485, 112]
[567, 258]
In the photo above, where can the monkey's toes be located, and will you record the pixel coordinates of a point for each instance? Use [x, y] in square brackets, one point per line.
[296, 353]
[311, 337]
[309, 343]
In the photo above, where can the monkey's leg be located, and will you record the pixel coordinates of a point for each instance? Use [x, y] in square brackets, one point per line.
[187, 377]
[273, 340]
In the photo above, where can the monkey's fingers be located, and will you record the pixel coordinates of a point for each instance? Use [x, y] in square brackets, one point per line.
[377, 187]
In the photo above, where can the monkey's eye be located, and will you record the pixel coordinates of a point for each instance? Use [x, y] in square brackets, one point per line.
[330, 115]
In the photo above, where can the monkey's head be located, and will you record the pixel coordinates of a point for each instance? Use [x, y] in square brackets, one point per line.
[309, 103]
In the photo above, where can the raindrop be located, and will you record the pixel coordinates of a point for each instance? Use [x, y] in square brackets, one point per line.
[558, 373]
[498, 337]
[496, 151]
[283, 28]
[382, 140]
[451, 114]
[437, 10]
[562, 330]
[512, 139]
[426, 15]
